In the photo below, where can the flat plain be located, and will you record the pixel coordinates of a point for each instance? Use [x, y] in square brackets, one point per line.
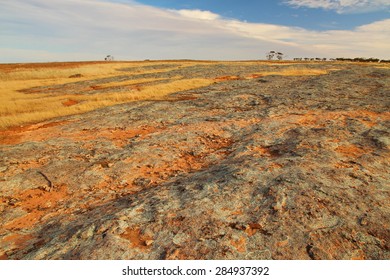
[195, 160]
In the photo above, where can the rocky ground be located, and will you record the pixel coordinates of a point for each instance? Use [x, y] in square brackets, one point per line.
[273, 167]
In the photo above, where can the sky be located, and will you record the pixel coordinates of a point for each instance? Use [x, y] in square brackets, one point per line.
[78, 30]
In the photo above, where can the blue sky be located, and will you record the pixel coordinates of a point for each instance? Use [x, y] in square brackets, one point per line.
[69, 30]
[281, 12]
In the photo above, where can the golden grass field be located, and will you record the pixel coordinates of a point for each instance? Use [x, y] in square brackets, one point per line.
[18, 108]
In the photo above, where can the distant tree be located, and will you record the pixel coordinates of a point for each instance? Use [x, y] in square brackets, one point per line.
[270, 55]
[274, 55]
[373, 59]
[360, 59]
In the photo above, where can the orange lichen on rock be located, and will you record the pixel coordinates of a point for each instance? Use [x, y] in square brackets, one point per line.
[282, 243]
[321, 118]
[352, 150]
[19, 240]
[274, 166]
[35, 132]
[118, 136]
[237, 212]
[239, 244]
[262, 151]
[176, 254]
[252, 228]
[37, 203]
[340, 165]
[136, 238]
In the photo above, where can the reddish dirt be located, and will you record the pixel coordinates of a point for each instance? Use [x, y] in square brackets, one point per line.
[70, 102]
[36, 203]
[117, 136]
[34, 132]
[228, 78]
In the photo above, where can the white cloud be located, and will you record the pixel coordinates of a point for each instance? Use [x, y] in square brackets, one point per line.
[370, 40]
[343, 6]
[197, 14]
[44, 30]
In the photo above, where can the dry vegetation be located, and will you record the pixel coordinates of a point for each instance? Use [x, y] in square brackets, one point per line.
[293, 71]
[18, 108]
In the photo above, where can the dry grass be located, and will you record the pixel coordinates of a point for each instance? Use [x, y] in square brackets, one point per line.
[18, 108]
[32, 109]
[295, 71]
[129, 83]
[57, 71]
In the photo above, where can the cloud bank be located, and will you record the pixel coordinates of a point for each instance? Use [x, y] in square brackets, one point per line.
[343, 6]
[56, 30]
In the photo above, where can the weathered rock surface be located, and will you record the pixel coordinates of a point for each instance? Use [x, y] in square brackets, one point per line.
[272, 167]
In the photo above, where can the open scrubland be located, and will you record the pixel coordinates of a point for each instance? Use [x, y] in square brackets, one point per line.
[194, 160]
[40, 91]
